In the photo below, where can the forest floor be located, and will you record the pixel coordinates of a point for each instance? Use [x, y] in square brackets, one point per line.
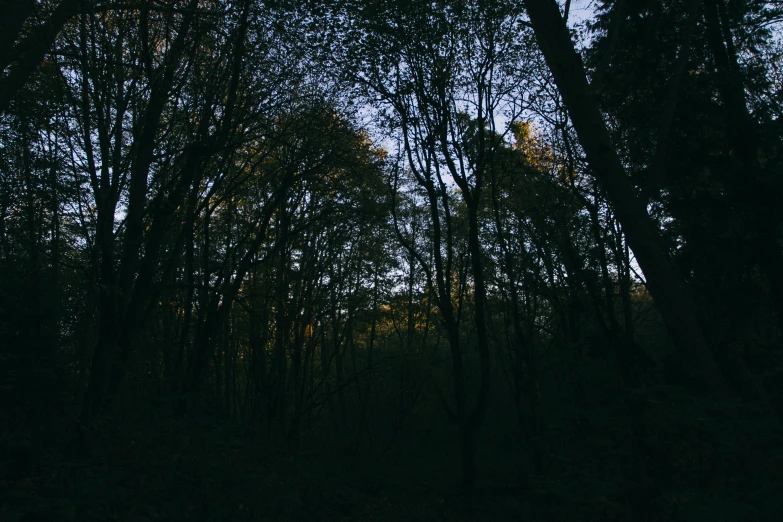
[185, 471]
[656, 455]
[178, 472]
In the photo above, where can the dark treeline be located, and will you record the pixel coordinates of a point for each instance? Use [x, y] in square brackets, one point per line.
[391, 260]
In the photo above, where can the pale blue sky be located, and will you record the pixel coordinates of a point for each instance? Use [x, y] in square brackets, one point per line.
[580, 9]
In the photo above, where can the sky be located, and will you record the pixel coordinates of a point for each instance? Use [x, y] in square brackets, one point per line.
[580, 9]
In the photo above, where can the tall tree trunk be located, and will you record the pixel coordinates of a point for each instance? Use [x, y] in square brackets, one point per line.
[753, 189]
[666, 284]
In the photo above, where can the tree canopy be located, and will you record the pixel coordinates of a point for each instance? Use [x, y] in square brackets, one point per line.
[354, 259]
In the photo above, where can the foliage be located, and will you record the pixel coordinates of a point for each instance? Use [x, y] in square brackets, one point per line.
[350, 260]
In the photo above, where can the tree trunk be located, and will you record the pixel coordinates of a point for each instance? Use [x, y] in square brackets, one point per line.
[30, 51]
[666, 284]
[752, 188]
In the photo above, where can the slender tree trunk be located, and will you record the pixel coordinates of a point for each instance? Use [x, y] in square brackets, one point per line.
[370, 349]
[282, 319]
[480, 313]
[625, 289]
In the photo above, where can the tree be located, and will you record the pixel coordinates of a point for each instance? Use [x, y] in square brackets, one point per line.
[664, 280]
[23, 53]
[698, 164]
[452, 76]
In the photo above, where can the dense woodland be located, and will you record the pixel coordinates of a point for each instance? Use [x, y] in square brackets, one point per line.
[391, 260]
